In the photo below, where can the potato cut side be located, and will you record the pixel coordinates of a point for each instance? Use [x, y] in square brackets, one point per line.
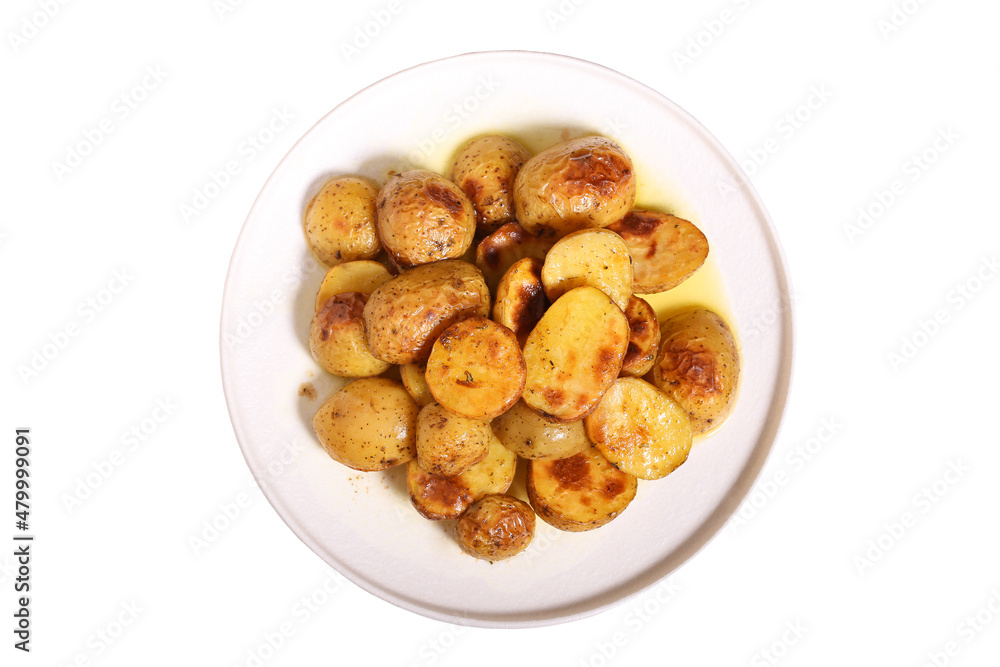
[511, 242]
[640, 430]
[495, 528]
[666, 250]
[579, 493]
[413, 378]
[340, 221]
[595, 257]
[370, 424]
[643, 338]
[574, 354]
[531, 436]
[484, 168]
[337, 338]
[520, 298]
[359, 276]
[476, 369]
[448, 444]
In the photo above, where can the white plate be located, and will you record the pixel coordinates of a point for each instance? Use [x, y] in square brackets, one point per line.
[362, 523]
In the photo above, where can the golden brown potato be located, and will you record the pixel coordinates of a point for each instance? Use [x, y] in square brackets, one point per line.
[520, 298]
[698, 366]
[340, 221]
[496, 253]
[485, 168]
[448, 444]
[337, 338]
[405, 315]
[595, 257]
[529, 435]
[496, 527]
[370, 424]
[413, 378]
[579, 493]
[476, 369]
[577, 184]
[358, 276]
[437, 497]
[423, 217]
[643, 339]
[574, 354]
[639, 429]
[666, 250]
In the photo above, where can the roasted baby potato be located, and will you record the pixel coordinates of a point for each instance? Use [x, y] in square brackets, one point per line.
[357, 276]
[639, 429]
[337, 338]
[423, 217]
[520, 299]
[415, 382]
[496, 527]
[579, 493]
[574, 354]
[643, 339]
[698, 366]
[529, 435]
[577, 184]
[484, 169]
[476, 369]
[448, 444]
[340, 221]
[595, 257]
[405, 315]
[437, 497]
[666, 250]
[497, 252]
[370, 424]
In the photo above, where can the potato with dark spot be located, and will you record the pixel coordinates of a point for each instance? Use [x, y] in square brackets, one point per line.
[666, 250]
[448, 444]
[495, 528]
[582, 183]
[578, 493]
[413, 378]
[496, 253]
[358, 276]
[337, 338]
[423, 217]
[595, 257]
[529, 435]
[698, 366]
[520, 299]
[643, 338]
[369, 425]
[340, 221]
[484, 169]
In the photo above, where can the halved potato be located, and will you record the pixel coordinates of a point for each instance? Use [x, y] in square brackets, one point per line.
[415, 382]
[485, 168]
[370, 424]
[358, 276]
[666, 250]
[574, 354]
[498, 251]
[579, 493]
[340, 221]
[529, 435]
[595, 257]
[639, 429]
[496, 527]
[698, 366]
[448, 444]
[577, 184]
[437, 497]
[520, 298]
[643, 339]
[337, 338]
[476, 369]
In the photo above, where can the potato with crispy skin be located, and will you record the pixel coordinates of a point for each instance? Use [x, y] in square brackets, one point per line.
[337, 338]
[698, 366]
[666, 250]
[520, 299]
[495, 528]
[643, 338]
[496, 253]
[448, 444]
[595, 257]
[358, 276]
[340, 221]
[484, 168]
[531, 436]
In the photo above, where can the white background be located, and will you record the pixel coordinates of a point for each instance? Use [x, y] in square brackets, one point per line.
[878, 544]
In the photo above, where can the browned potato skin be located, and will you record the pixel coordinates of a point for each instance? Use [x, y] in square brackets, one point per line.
[369, 425]
[643, 339]
[423, 217]
[476, 369]
[484, 169]
[579, 493]
[577, 184]
[698, 366]
[340, 221]
[337, 338]
[448, 444]
[666, 250]
[496, 253]
[520, 298]
[495, 528]
[405, 315]
[531, 436]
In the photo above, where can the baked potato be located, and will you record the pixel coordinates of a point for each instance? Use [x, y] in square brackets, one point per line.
[415, 381]
[340, 221]
[496, 527]
[666, 250]
[484, 168]
[520, 299]
[643, 338]
[357, 276]
[337, 338]
[595, 257]
[510, 243]
[529, 435]
[448, 444]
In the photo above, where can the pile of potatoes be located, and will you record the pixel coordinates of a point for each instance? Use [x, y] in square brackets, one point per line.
[504, 298]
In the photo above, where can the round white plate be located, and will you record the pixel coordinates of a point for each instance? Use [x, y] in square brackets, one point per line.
[362, 524]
